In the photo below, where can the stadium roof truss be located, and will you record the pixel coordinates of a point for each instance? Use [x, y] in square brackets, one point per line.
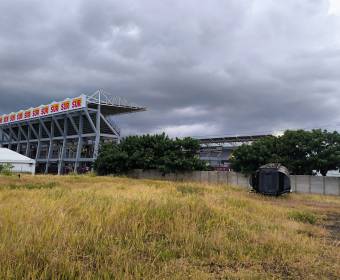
[69, 137]
[229, 140]
[215, 148]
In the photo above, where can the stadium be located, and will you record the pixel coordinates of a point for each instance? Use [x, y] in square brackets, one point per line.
[65, 136]
[217, 150]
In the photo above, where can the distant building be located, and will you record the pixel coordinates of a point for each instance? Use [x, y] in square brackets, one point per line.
[217, 150]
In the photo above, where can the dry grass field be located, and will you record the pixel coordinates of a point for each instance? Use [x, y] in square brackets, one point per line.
[83, 227]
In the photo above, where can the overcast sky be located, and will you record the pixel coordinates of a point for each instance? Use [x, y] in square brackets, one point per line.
[201, 67]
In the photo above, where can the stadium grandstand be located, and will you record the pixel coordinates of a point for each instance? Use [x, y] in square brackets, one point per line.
[216, 150]
[65, 136]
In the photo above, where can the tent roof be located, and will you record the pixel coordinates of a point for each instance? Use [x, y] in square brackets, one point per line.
[279, 167]
[9, 156]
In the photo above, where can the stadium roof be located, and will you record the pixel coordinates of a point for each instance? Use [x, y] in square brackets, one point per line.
[112, 105]
[230, 139]
[9, 156]
[109, 105]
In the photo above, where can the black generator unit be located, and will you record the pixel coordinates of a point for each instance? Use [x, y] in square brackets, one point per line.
[271, 179]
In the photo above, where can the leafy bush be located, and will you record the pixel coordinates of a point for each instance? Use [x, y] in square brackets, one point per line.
[6, 169]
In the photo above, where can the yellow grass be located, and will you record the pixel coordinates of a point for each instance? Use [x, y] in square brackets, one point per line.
[83, 227]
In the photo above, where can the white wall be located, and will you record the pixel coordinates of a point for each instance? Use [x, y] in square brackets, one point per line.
[23, 168]
[299, 183]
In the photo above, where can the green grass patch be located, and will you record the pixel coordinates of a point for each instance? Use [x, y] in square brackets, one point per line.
[189, 190]
[31, 186]
[303, 217]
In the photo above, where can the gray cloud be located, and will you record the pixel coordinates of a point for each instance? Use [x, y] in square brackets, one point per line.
[220, 67]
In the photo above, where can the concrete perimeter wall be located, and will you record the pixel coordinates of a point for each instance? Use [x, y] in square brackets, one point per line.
[299, 183]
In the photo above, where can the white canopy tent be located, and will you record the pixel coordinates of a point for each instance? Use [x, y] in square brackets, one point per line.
[20, 163]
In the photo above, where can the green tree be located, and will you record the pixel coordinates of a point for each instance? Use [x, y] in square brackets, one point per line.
[248, 158]
[325, 151]
[111, 159]
[149, 152]
[295, 149]
[302, 152]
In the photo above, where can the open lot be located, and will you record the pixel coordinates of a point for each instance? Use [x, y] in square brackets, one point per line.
[83, 227]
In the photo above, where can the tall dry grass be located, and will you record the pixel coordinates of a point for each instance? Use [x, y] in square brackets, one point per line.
[82, 227]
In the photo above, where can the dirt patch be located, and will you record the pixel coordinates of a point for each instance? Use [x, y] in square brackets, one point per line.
[292, 203]
[332, 224]
[328, 212]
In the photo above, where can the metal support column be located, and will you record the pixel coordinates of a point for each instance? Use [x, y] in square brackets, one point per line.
[28, 147]
[50, 148]
[39, 142]
[18, 140]
[96, 145]
[80, 142]
[10, 139]
[62, 154]
[2, 136]
[21, 133]
[12, 136]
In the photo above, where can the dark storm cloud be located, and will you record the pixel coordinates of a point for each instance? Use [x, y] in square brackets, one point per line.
[219, 67]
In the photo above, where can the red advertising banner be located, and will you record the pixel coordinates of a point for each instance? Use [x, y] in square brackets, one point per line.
[36, 112]
[55, 108]
[76, 103]
[45, 110]
[65, 105]
[20, 116]
[28, 114]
